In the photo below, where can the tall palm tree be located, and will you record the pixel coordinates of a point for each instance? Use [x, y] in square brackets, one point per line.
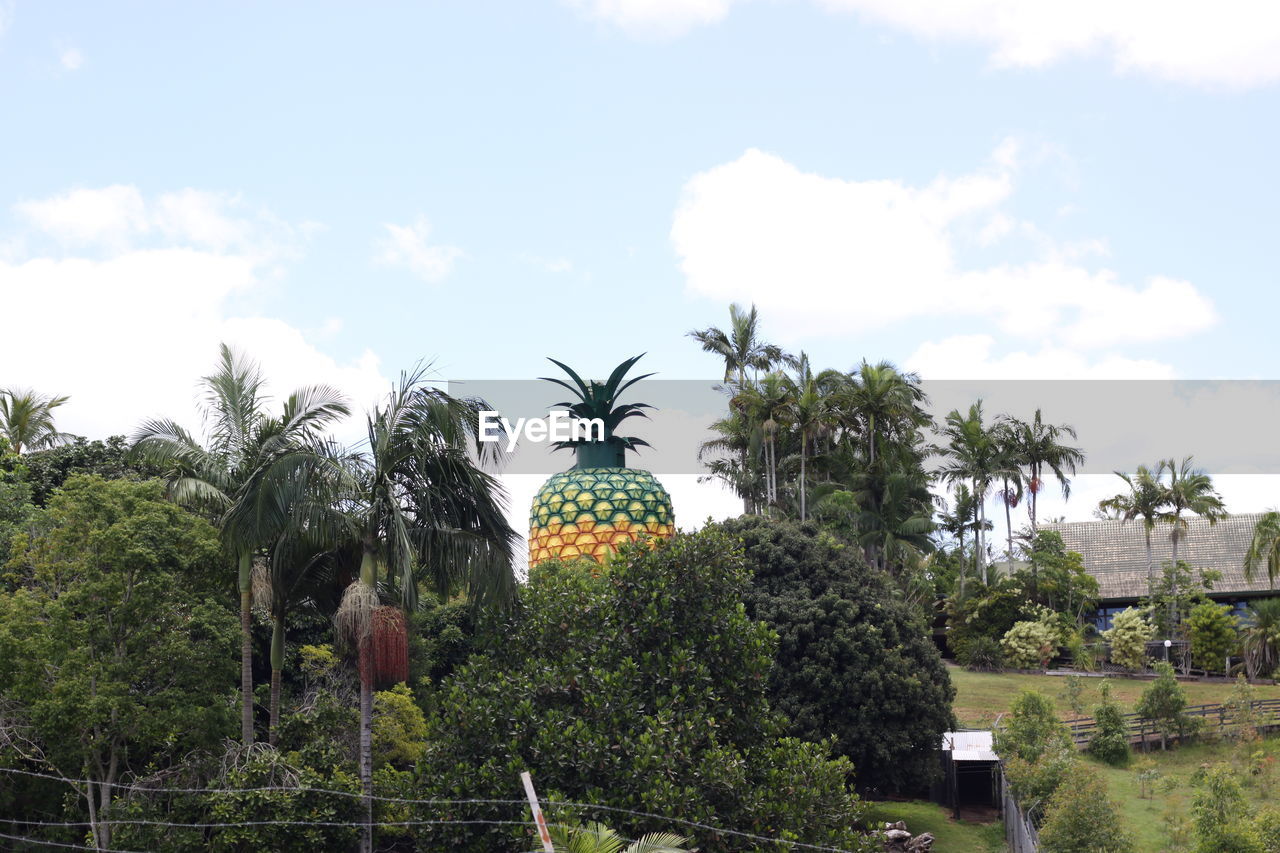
[810, 413]
[423, 511]
[242, 443]
[741, 346]
[1040, 448]
[1147, 500]
[1264, 547]
[766, 404]
[1008, 448]
[973, 455]
[958, 521]
[881, 402]
[1189, 490]
[26, 420]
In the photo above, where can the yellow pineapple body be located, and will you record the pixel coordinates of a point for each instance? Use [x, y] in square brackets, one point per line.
[588, 512]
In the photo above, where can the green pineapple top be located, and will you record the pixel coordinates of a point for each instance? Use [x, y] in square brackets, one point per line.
[599, 400]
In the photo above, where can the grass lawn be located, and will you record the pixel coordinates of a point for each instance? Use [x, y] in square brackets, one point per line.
[982, 696]
[950, 836]
[1150, 818]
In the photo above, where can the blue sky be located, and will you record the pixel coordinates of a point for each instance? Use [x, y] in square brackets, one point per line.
[971, 189]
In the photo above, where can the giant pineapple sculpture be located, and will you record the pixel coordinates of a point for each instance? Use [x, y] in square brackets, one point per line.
[599, 503]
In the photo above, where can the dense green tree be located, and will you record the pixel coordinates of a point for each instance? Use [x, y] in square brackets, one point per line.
[853, 662]
[1212, 628]
[641, 686]
[1081, 818]
[1129, 634]
[1031, 729]
[1220, 814]
[47, 470]
[113, 645]
[1110, 740]
[1162, 703]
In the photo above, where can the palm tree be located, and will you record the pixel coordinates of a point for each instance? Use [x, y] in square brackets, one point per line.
[26, 420]
[1189, 490]
[740, 347]
[1146, 499]
[422, 509]
[242, 444]
[1261, 637]
[808, 411]
[973, 455]
[880, 401]
[1039, 448]
[1008, 448]
[598, 838]
[1264, 547]
[766, 404]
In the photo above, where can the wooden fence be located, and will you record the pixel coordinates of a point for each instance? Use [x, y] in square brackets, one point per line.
[1266, 715]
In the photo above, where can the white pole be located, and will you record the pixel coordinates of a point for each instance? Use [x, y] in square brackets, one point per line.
[538, 819]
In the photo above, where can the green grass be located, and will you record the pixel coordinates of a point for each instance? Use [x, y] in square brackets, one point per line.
[950, 836]
[982, 696]
[1148, 817]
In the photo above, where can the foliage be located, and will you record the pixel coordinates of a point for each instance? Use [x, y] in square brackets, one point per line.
[1031, 729]
[26, 419]
[1056, 578]
[1219, 814]
[852, 661]
[989, 611]
[982, 654]
[1073, 692]
[399, 728]
[1261, 637]
[1110, 741]
[1267, 826]
[1081, 818]
[1179, 589]
[114, 634]
[1130, 632]
[641, 686]
[47, 470]
[598, 838]
[1162, 702]
[1213, 635]
[1028, 644]
[1035, 781]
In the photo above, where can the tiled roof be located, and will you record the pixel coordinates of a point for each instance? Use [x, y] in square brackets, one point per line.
[1114, 552]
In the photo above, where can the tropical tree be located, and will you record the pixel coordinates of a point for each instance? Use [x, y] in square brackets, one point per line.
[1147, 500]
[881, 403]
[1189, 490]
[1040, 448]
[244, 450]
[1264, 547]
[973, 454]
[598, 838]
[1006, 436]
[809, 412]
[423, 510]
[741, 346]
[1260, 637]
[26, 419]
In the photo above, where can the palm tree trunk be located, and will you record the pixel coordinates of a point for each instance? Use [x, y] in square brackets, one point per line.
[1031, 504]
[803, 453]
[1173, 593]
[1008, 520]
[1151, 573]
[246, 650]
[369, 577]
[277, 667]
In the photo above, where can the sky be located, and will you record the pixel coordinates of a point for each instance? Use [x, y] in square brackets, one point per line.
[970, 189]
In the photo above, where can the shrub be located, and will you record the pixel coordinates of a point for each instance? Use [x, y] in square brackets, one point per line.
[853, 661]
[1035, 781]
[981, 654]
[1129, 634]
[641, 686]
[1162, 703]
[1081, 818]
[1032, 728]
[1219, 812]
[1110, 741]
[1213, 636]
[1029, 644]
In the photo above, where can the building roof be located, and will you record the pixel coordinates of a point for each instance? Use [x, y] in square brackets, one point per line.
[1114, 552]
[968, 746]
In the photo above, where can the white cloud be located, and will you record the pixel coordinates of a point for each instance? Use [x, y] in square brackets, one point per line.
[970, 357]
[72, 59]
[129, 314]
[407, 246]
[826, 256]
[1232, 43]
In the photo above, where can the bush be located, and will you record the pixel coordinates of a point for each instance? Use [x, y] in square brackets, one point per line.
[1130, 632]
[1213, 636]
[642, 687]
[1219, 814]
[1035, 781]
[1162, 703]
[981, 654]
[1033, 728]
[1029, 644]
[1110, 741]
[853, 661]
[1081, 818]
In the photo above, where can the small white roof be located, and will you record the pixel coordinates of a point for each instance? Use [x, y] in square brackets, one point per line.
[968, 746]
